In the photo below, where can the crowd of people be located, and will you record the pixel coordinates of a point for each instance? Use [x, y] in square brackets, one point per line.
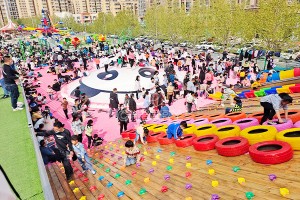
[204, 75]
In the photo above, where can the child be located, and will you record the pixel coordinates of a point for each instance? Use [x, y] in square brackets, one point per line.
[88, 132]
[97, 141]
[228, 92]
[141, 133]
[50, 92]
[81, 154]
[132, 153]
[237, 107]
[39, 98]
[126, 100]
[255, 84]
[175, 130]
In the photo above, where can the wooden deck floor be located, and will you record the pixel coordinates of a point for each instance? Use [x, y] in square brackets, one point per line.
[255, 175]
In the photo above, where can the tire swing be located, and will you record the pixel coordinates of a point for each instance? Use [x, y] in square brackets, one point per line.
[201, 121]
[246, 122]
[153, 137]
[215, 116]
[235, 116]
[163, 140]
[232, 146]
[206, 129]
[190, 129]
[259, 133]
[258, 116]
[280, 127]
[158, 128]
[271, 152]
[228, 131]
[291, 136]
[125, 134]
[186, 141]
[221, 122]
[205, 143]
[294, 115]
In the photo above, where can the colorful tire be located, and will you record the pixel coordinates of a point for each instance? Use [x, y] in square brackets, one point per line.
[150, 126]
[297, 124]
[206, 129]
[280, 127]
[232, 146]
[205, 143]
[164, 121]
[199, 116]
[125, 134]
[186, 141]
[201, 121]
[228, 131]
[190, 129]
[246, 122]
[159, 128]
[221, 122]
[163, 140]
[235, 116]
[132, 135]
[153, 137]
[258, 116]
[294, 115]
[259, 133]
[291, 136]
[271, 152]
[215, 116]
[189, 120]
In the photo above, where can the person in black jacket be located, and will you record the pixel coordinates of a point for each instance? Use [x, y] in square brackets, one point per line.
[132, 107]
[56, 86]
[10, 77]
[113, 101]
[123, 118]
[62, 138]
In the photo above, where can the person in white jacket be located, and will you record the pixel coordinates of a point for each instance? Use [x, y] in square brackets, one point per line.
[88, 132]
[77, 127]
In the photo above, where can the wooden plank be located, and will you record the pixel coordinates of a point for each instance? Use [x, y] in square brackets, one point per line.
[57, 190]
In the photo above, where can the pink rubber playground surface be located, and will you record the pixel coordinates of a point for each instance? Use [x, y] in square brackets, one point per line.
[105, 127]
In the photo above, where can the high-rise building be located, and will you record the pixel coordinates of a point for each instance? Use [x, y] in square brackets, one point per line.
[26, 8]
[3, 13]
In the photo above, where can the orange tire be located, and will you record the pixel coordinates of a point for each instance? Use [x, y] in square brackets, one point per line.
[294, 115]
[258, 116]
[235, 116]
[215, 116]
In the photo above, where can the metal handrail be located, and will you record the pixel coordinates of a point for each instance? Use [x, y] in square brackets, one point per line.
[48, 194]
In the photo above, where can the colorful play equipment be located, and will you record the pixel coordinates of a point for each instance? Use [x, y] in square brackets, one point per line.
[291, 136]
[227, 131]
[232, 146]
[76, 42]
[271, 152]
[163, 140]
[221, 122]
[293, 114]
[280, 127]
[259, 133]
[235, 116]
[205, 143]
[246, 122]
[186, 141]
[206, 129]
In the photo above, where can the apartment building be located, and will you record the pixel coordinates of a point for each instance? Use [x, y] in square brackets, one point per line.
[26, 8]
[3, 13]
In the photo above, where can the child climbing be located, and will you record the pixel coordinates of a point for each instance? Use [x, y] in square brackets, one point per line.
[83, 159]
[228, 93]
[175, 130]
[237, 107]
[132, 153]
[141, 133]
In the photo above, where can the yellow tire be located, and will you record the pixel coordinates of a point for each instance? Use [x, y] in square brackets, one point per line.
[227, 131]
[150, 126]
[159, 128]
[260, 133]
[206, 129]
[291, 136]
[190, 129]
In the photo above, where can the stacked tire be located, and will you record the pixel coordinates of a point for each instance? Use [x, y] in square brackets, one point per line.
[232, 146]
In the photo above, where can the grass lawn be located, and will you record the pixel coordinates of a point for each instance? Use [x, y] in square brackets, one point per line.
[17, 155]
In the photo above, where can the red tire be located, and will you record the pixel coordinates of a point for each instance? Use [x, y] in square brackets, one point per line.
[232, 146]
[205, 143]
[271, 152]
[153, 137]
[125, 134]
[132, 135]
[235, 116]
[186, 141]
[163, 140]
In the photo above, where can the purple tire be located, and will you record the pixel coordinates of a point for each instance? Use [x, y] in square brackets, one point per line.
[201, 121]
[189, 121]
[280, 127]
[246, 122]
[221, 122]
[297, 124]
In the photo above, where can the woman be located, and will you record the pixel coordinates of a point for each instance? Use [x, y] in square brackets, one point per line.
[146, 101]
[170, 93]
[272, 104]
[137, 86]
[123, 118]
[77, 127]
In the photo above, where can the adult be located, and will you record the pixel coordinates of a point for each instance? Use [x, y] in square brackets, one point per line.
[122, 118]
[170, 93]
[48, 154]
[113, 101]
[56, 86]
[106, 63]
[10, 77]
[64, 105]
[132, 107]
[137, 86]
[77, 127]
[62, 138]
[2, 83]
[272, 104]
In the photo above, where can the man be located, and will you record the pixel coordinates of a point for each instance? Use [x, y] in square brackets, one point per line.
[106, 63]
[175, 130]
[64, 105]
[2, 83]
[85, 100]
[62, 138]
[132, 107]
[10, 76]
[56, 86]
[113, 101]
